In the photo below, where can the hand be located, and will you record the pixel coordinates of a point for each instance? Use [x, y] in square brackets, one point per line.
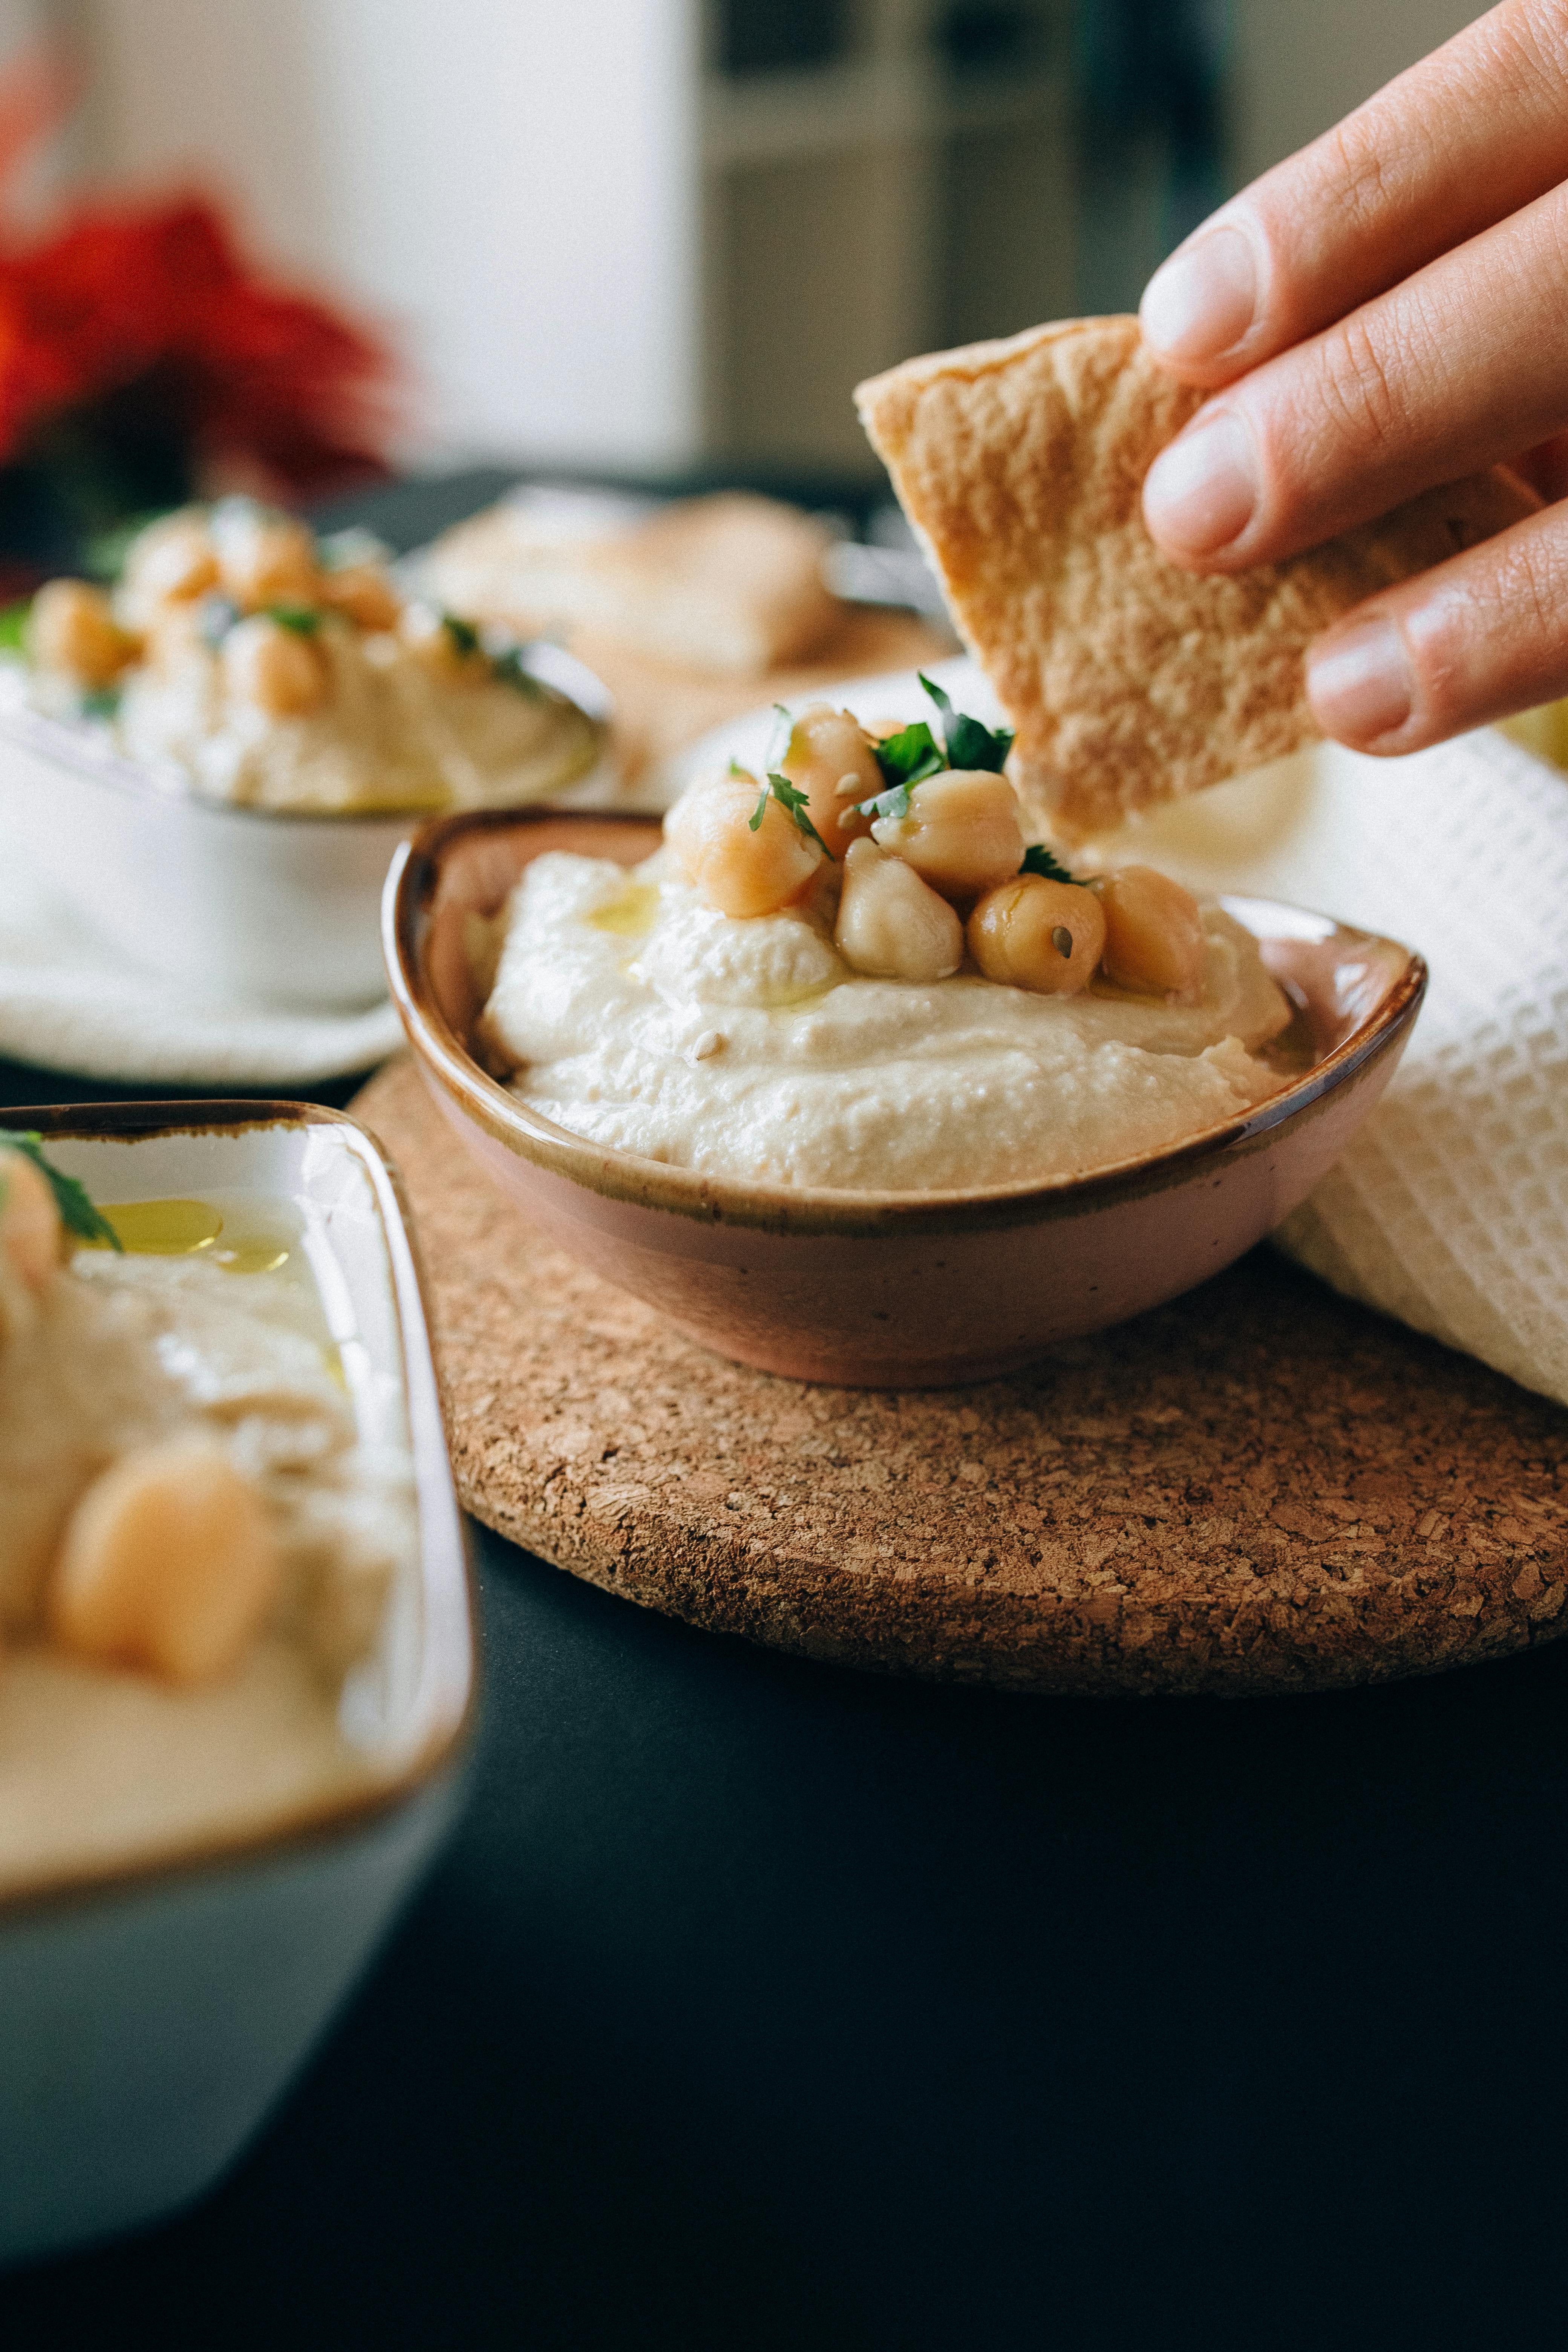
[1385, 311]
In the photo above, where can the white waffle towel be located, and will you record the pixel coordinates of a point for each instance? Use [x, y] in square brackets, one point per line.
[1450, 1209]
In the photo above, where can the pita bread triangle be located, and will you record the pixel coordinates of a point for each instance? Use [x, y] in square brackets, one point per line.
[1020, 465]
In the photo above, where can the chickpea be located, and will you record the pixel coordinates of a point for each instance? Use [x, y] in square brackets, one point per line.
[891, 923]
[277, 668]
[737, 870]
[961, 834]
[363, 593]
[73, 628]
[835, 766]
[174, 639]
[262, 558]
[171, 562]
[1153, 933]
[1040, 935]
[31, 1235]
[168, 1563]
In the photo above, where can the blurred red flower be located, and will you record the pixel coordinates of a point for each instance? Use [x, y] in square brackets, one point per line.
[155, 301]
[144, 360]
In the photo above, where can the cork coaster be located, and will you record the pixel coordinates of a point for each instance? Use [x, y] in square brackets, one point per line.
[1257, 1487]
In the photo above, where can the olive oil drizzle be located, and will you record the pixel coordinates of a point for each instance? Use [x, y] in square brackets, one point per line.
[186, 1229]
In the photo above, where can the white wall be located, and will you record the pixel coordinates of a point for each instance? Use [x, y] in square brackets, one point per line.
[1303, 64]
[510, 183]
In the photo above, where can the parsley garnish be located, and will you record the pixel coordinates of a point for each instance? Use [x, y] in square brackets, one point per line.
[968, 744]
[894, 802]
[1038, 860]
[464, 636]
[783, 736]
[13, 626]
[910, 756]
[76, 1213]
[507, 668]
[792, 800]
[303, 619]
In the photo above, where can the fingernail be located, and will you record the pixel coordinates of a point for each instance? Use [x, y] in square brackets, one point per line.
[1199, 494]
[1201, 302]
[1359, 684]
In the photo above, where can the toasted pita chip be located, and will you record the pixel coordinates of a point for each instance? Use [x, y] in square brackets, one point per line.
[1130, 681]
[730, 584]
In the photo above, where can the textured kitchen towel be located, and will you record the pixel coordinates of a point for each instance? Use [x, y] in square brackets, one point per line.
[1450, 1209]
[70, 1001]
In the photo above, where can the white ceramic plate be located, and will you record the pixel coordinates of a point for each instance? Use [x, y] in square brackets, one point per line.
[156, 1996]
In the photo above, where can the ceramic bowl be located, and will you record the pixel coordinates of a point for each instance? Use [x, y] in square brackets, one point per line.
[247, 904]
[156, 2000]
[889, 1289]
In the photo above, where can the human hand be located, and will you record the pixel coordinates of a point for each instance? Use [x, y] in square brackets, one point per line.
[1385, 311]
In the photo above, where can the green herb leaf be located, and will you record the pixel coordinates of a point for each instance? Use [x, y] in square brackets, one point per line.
[508, 669]
[912, 755]
[894, 802]
[971, 745]
[13, 626]
[968, 744]
[75, 1204]
[1038, 860]
[303, 619]
[782, 734]
[792, 800]
[464, 636]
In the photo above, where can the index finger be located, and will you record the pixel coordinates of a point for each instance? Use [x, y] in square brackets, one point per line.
[1464, 139]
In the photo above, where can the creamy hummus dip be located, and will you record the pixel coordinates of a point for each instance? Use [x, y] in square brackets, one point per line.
[103, 1762]
[241, 656]
[388, 733]
[640, 1015]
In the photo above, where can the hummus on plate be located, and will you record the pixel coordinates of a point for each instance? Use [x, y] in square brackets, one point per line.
[197, 1548]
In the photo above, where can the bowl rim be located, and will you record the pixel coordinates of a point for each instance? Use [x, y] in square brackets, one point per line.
[92, 756]
[615, 1174]
[446, 1702]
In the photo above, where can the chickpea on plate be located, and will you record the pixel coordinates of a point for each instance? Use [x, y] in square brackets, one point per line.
[853, 971]
[241, 656]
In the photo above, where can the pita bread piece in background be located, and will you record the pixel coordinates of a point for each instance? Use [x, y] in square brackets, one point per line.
[1021, 465]
[730, 584]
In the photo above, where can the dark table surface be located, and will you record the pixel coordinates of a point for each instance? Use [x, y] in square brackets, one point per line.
[756, 2003]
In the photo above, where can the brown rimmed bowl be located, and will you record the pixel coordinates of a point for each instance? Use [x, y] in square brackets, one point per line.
[889, 1289]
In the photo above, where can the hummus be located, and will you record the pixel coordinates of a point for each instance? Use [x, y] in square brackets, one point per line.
[101, 1763]
[388, 734]
[241, 658]
[636, 1013]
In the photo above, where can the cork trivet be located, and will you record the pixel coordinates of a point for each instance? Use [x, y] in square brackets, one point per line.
[1257, 1487]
